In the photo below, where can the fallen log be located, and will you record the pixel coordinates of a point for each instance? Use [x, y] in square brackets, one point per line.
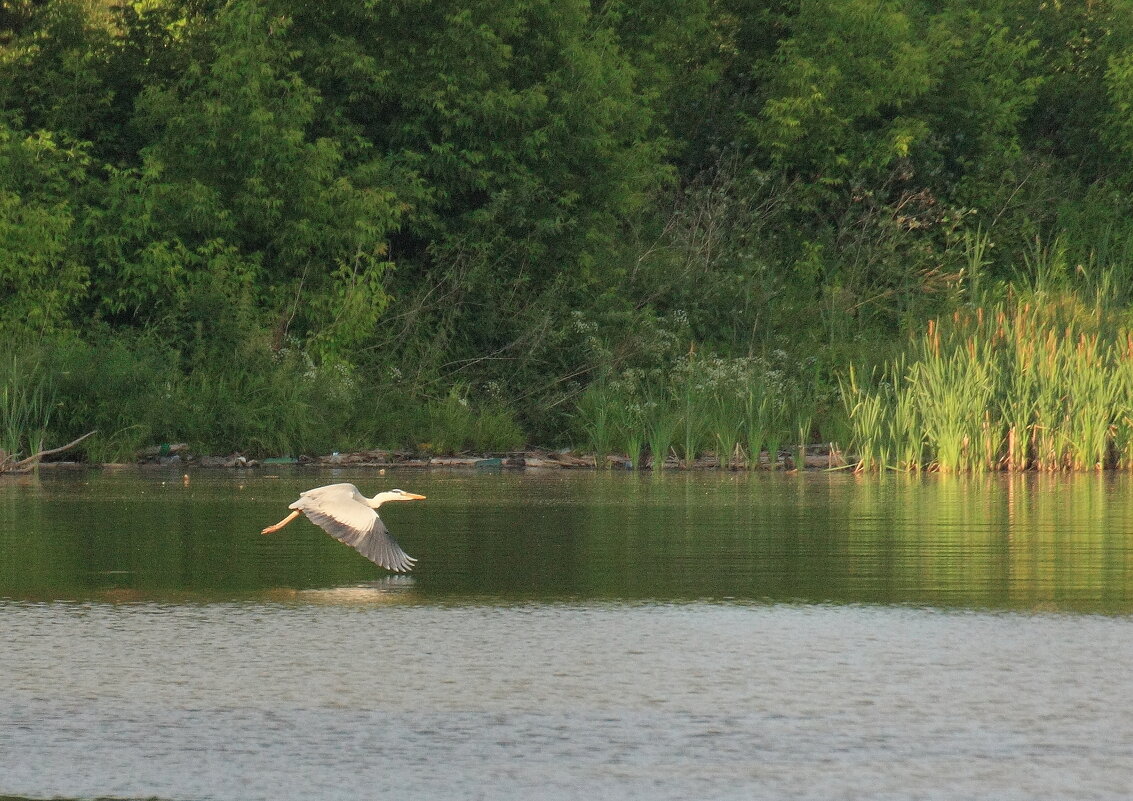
[9, 465]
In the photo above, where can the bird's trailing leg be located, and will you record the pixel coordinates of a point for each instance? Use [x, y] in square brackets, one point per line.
[280, 524]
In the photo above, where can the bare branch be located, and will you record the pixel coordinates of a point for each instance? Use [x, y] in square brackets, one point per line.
[23, 464]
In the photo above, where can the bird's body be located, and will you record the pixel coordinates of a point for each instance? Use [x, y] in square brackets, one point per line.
[350, 517]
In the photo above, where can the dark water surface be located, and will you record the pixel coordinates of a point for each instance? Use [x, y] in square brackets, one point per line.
[569, 636]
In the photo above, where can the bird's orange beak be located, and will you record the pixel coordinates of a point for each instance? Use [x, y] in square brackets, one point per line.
[409, 496]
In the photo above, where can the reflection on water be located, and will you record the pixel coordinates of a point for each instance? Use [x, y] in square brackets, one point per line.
[392, 589]
[570, 636]
[1019, 542]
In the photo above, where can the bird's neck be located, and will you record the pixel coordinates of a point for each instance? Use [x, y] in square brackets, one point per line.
[379, 499]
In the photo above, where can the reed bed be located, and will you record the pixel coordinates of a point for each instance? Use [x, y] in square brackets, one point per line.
[731, 411]
[1044, 385]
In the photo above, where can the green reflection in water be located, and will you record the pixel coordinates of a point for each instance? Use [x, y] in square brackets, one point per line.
[1019, 542]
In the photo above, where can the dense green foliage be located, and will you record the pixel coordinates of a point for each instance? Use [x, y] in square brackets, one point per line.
[283, 227]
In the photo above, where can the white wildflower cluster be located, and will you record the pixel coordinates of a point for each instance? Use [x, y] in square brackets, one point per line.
[336, 378]
[780, 373]
[588, 331]
[628, 383]
[339, 380]
[668, 336]
[581, 324]
[630, 389]
[294, 352]
[495, 390]
[715, 375]
[291, 346]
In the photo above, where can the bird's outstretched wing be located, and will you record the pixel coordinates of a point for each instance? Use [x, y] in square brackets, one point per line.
[346, 518]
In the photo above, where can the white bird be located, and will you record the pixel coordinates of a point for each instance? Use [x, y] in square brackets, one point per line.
[350, 517]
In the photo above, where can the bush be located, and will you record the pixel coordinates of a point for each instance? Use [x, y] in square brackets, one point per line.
[127, 387]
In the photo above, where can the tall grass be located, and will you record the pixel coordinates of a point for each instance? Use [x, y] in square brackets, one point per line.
[26, 403]
[692, 413]
[758, 406]
[702, 409]
[1018, 385]
[630, 425]
[951, 389]
[453, 424]
[595, 415]
[661, 423]
[870, 409]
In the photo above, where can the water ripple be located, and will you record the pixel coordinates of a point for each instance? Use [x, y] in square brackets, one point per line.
[609, 701]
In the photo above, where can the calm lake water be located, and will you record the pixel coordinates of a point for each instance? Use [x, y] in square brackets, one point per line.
[569, 636]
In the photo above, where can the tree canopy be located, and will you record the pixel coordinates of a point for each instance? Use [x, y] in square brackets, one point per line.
[500, 201]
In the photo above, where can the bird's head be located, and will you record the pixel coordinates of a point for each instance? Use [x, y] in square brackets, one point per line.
[394, 495]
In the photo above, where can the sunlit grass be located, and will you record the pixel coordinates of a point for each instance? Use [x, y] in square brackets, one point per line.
[1020, 385]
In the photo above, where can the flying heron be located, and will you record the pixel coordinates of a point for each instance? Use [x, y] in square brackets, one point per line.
[350, 517]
